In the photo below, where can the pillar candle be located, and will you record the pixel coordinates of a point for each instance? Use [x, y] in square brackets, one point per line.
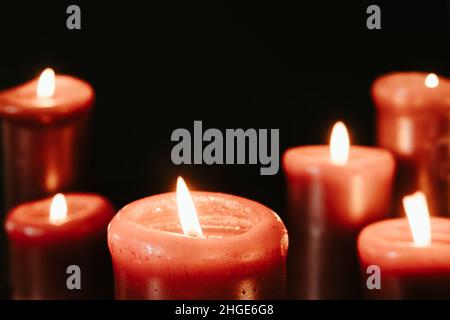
[333, 191]
[413, 112]
[210, 246]
[413, 256]
[44, 136]
[47, 236]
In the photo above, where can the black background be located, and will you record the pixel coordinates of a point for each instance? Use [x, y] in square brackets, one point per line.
[156, 68]
[297, 68]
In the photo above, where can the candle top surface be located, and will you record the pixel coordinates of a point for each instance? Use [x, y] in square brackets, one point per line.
[85, 213]
[411, 91]
[318, 156]
[390, 245]
[232, 227]
[71, 97]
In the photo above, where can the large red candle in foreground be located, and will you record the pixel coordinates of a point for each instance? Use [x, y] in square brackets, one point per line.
[235, 249]
[413, 256]
[44, 136]
[48, 236]
[333, 192]
[413, 111]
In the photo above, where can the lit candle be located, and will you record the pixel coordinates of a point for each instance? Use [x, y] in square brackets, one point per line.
[44, 136]
[412, 121]
[198, 245]
[334, 191]
[47, 236]
[413, 253]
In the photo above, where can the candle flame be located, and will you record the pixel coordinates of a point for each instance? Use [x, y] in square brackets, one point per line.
[186, 211]
[46, 84]
[431, 81]
[58, 209]
[339, 144]
[419, 218]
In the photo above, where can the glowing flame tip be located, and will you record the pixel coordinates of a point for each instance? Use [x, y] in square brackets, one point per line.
[186, 211]
[418, 218]
[58, 208]
[431, 81]
[339, 144]
[46, 84]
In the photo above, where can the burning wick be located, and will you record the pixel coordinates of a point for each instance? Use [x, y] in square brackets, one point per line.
[186, 211]
[431, 81]
[46, 84]
[419, 218]
[339, 144]
[58, 209]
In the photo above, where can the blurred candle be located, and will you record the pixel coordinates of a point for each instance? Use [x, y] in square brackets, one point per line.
[44, 136]
[413, 111]
[333, 191]
[198, 245]
[413, 254]
[47, 236]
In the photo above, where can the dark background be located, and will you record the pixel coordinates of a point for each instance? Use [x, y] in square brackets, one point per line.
[298, 68]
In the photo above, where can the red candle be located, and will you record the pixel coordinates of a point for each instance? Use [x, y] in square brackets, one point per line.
[412, 121]
[413, 255]
[234, 249]
[44, 136]
[47, 236]
[333, 192]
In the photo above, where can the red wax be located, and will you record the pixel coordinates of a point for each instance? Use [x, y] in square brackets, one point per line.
[243, 254]
[44, 139]
[407, 271]
[413, 123]
[328, 206]
[41, 251]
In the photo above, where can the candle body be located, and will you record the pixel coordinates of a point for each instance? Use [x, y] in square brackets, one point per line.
[407, 271]
[413, 123]
[328, 206]
[41, 252]
[44, 139]
[242, 257]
